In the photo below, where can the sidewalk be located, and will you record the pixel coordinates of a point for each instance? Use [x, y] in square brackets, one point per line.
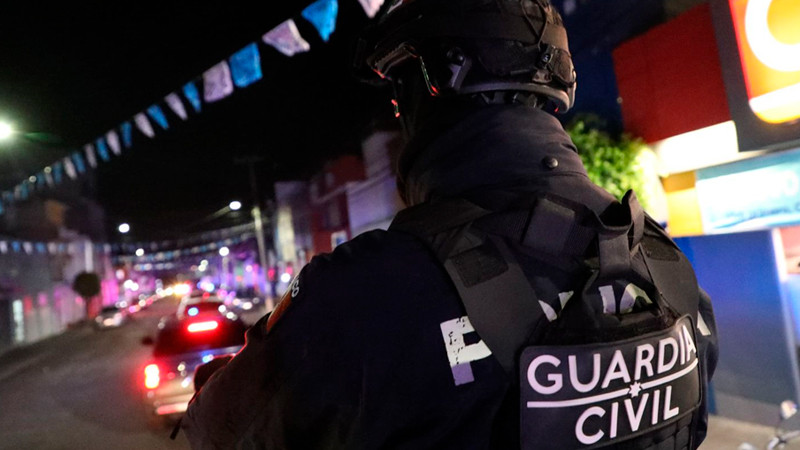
[727, 434]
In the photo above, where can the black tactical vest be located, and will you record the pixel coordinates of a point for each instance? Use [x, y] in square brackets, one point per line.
[611, 362]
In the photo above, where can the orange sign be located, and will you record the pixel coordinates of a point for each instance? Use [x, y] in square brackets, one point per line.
[768, 36]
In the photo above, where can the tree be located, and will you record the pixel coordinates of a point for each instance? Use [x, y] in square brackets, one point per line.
[87, 285]
[612, 162]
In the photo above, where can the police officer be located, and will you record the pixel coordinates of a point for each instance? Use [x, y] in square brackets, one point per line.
[514, 304]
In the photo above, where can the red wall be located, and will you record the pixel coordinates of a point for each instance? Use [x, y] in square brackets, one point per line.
[670, 80]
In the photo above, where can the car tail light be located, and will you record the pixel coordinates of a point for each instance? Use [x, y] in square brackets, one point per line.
[151, 376]
[199, 327]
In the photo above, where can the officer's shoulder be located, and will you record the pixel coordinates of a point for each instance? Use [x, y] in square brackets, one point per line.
[374, 265]
[390, 247]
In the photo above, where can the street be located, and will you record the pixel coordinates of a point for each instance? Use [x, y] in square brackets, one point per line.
[83, 389]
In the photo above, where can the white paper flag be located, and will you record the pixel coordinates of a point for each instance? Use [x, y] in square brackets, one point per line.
[3, 247]
[144, 125]
[286, 39]
[371, 7]
[217, 83]
[90, 156]
[52, 247]
[28, 246]
[113, 141]
[69, 168]
[48, 176]
[176, 105]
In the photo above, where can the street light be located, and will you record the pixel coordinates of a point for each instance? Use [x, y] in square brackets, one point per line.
[224, 251]
[124, 228]
[6, 130]
[235, 205]
[139, 252]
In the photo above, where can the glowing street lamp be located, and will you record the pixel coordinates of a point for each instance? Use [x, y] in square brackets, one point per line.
[6, 130]
[139, 252]
[235, 205]
[224, 251]
[124, 228]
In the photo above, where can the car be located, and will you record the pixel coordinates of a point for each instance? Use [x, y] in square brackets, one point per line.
[180, 346]
[202, 305]
[110, 317]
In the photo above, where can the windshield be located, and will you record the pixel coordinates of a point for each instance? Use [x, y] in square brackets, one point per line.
[178, 339]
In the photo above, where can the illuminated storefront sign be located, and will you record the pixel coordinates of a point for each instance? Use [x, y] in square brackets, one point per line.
[751, 194]
[768, 39]
[759, 52]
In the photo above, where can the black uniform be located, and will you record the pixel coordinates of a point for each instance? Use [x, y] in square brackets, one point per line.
[371, 346]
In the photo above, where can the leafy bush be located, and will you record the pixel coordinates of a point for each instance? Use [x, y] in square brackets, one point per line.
[611, 162]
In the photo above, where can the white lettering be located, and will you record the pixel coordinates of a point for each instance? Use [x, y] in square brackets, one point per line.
[612, 433]
[460, 355]
[609, 299]
[664, 366]
[616, 370]
[656, 401]
[669, 412]
[555, 378]
[687, 336]
[573, 373]
[632, 292]
[644, 362]
[635, 419]
[683, 349]
[579, 433]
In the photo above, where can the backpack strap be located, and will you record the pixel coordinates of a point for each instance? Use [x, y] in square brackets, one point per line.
[472, 244]
[671, 272]
[495, 292]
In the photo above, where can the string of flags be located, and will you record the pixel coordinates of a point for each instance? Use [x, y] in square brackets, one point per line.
[153, 251]
[240, 70]
[171, 255]
[10, 246]
[200, 238]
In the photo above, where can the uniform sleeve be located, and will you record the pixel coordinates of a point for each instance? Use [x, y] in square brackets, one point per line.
[220, 411]
[709, 353]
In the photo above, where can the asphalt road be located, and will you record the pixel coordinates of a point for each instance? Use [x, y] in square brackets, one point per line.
[83, 390]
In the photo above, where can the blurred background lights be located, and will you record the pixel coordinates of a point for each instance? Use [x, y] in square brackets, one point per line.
[224, 251]
[5, 130]
[139, 252]
[124, 228]
[235, 205]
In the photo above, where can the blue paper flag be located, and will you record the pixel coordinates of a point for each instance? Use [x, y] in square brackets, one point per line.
[23, 190]
[16, 246]
[127, 134]
[102, 149]
[77, 158]
[41, 248]
[40, 180]
[246, 66]
[157, 114]
[322, 14]
[192, 94]
[58, 171]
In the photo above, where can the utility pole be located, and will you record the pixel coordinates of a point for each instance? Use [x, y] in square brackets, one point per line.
[256, 211]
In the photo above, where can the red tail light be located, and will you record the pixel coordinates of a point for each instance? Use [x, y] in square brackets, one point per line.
[152, 376]
[198, 327]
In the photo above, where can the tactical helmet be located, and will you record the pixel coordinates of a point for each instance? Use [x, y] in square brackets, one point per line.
[475, 47]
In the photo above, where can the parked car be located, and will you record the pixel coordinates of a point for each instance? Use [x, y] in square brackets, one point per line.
[110, 317]
[179, 347]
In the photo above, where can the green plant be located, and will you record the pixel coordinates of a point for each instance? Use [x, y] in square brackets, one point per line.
[612, 163]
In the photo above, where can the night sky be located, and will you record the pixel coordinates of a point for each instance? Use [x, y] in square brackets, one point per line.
[77, 71]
